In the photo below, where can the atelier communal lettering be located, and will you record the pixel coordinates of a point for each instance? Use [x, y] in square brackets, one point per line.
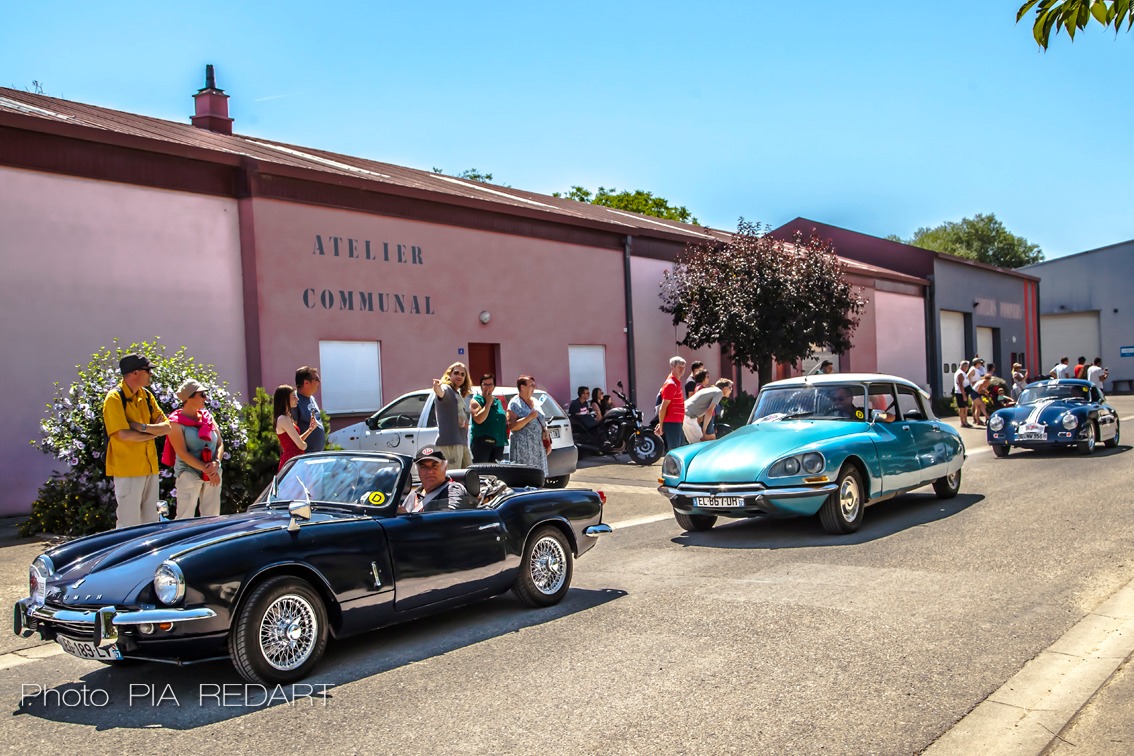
[367, 301]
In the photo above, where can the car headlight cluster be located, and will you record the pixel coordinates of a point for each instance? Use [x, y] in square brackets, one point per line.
[809, 463]
[169, 583]
[41, 569]
[670, 467]
[1070, 422]
[996, 423]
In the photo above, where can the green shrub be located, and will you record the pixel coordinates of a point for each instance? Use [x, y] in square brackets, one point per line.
[737, 408]
[80, 499]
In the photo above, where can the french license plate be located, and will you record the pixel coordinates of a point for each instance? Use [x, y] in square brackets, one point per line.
[554, 432]
[1031, 432]
[88, 650]
[718, 501]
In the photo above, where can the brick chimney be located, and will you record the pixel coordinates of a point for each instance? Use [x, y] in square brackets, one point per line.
[212, 106]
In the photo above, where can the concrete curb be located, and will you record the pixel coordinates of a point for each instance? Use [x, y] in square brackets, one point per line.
[1029, 711]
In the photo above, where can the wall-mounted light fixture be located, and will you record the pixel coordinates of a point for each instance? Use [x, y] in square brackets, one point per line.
[485, 316]
[976, 304]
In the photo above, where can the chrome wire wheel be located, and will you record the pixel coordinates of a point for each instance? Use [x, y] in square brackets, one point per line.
[289, 632]
[850, 499]
[548, 565]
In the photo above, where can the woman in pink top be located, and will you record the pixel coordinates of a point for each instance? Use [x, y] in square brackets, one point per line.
[292, 442]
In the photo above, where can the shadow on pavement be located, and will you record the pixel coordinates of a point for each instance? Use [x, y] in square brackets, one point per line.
[1100, 452]
[147, 695]
[879, 521]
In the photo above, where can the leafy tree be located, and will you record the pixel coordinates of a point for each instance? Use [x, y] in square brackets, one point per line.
[1072, 15]
[638, 201]
[981, 238]
[472, 174]
[763, 298]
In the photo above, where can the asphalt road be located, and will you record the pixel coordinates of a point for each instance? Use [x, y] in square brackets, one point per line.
[755, 637]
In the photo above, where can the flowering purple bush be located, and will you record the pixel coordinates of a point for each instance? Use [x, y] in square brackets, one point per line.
[80, 499]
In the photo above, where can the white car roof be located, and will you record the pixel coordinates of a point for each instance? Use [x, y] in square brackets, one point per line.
[824, 379]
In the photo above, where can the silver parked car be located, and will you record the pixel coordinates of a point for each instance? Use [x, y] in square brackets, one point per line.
[410, 422]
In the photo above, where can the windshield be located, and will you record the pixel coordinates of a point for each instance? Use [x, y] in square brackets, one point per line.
[828, 402]
[1045, 393]
[337, 479]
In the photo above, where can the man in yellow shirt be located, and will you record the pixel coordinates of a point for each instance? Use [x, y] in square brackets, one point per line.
[133, 422]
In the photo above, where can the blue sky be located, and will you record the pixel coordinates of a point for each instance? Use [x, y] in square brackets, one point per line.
[879, 117]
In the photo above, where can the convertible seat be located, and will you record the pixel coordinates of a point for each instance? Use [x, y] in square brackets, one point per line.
[470, 479]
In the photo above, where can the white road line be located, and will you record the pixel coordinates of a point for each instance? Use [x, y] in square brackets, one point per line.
[639, 521]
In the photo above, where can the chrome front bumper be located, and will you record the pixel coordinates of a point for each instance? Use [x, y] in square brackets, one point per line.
[103, 622]
[747, 490]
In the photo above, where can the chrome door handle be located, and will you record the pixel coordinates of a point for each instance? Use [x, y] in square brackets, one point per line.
[490, 526]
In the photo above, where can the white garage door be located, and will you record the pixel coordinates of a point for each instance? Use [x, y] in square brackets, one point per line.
[587, 366]
[952, 343]
[352, 376]
[1072, 335]
[985, 345]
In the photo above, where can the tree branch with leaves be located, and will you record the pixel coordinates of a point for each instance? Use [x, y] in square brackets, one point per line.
[762, 298]
[1073, 15]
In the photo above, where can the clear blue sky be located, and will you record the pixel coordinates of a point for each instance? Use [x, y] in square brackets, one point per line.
[876, 116]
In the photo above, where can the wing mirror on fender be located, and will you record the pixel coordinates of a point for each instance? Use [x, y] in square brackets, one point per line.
[876, 416]
[299, 510]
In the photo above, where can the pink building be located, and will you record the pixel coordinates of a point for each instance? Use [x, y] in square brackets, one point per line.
[261, 256]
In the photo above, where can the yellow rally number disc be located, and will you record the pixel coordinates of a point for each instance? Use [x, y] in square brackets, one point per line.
[377, 498]
[858, 414]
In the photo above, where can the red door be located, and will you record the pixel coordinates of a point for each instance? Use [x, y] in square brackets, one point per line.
[485, 358]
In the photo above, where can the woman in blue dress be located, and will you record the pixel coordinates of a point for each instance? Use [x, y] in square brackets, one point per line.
[526, 424]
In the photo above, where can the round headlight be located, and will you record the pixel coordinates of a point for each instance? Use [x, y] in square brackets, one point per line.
[670, 467]
[1070, 421]
[791, 466]
[813, 462]
[169, 583]
[996, 422]
[41, 569]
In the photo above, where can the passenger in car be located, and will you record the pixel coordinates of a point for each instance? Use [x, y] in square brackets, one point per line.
[436, 492]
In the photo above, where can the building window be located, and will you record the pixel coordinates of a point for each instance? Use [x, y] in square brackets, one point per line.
[352, 376]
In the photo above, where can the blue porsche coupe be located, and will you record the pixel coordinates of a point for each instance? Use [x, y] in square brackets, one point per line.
[1052, 413]
[828, 445]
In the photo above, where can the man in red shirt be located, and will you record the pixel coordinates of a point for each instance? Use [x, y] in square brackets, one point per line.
[671, 411]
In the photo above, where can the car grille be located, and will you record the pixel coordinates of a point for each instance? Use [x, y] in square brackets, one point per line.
[80, 630]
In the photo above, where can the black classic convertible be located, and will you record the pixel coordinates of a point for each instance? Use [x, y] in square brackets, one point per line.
[321, 553]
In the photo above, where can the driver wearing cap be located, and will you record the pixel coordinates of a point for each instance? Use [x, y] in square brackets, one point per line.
[436, 492]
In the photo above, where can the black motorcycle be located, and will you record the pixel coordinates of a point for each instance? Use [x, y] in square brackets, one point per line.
[620, 431]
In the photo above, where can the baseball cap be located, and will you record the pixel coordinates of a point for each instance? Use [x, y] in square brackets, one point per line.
[132, 362]
[429, 452]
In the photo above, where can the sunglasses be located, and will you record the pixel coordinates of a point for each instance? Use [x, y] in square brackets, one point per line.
[202, 394]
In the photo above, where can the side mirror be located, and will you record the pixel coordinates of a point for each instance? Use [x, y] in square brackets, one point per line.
[876, 416]
[618, 384]
[163, 511]
[372, 422]
[298, 510]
